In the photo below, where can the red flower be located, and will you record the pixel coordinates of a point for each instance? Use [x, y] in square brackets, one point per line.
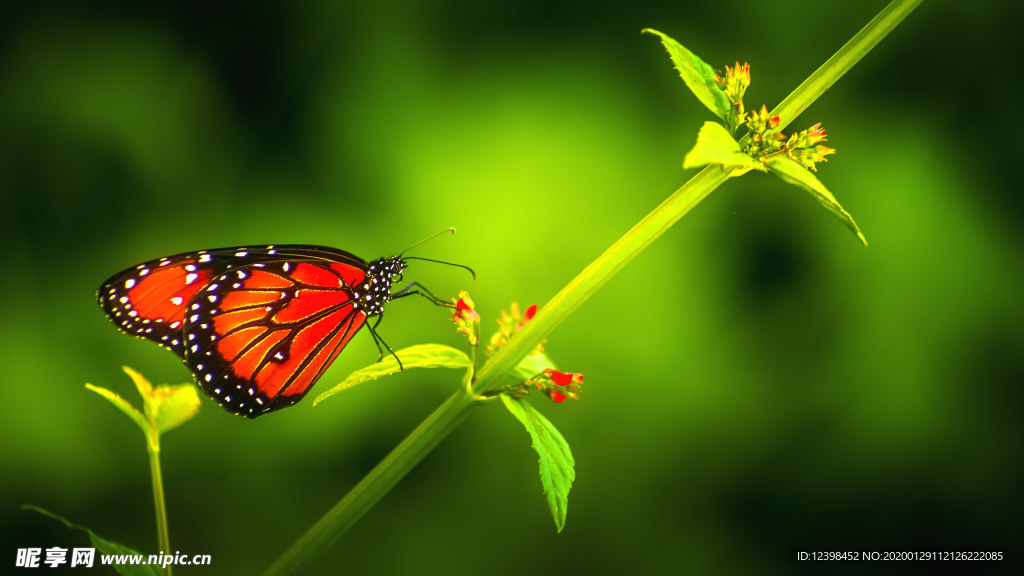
[564, 378]
[465, 318]
[557, 396]
[464, 309]
[527, 316]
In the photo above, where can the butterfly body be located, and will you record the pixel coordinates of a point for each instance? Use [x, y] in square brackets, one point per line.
[257, 326]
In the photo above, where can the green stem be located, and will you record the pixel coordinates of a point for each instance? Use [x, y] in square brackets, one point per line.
[446, 418]
[840, 63]
[163, 536]
[376, 484]
[596, 275]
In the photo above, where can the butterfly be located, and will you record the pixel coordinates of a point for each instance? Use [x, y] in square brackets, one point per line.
[257, 326]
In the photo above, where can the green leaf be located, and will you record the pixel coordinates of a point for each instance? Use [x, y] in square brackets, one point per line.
[123, 405]
[556, 463]
[167, 406]
[103, 546]
[419, 356]
[698, 75]
[716, 146]
[173, 405]
[792, 172]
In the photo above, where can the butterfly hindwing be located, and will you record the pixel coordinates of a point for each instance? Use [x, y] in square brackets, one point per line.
[257, 337]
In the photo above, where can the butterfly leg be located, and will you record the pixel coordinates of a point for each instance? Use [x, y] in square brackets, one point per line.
[422, 291]
[378, 341]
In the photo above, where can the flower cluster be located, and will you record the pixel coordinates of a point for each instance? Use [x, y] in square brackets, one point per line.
[766, 141]
[554, 384]
[510, 323]
[465, 318]
[536, 371]
[766, 138]
[804, 148]
[734, 85]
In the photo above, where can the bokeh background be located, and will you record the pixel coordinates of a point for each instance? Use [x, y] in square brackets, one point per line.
[756, 380]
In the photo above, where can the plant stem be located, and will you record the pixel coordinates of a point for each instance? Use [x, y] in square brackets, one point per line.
[438, 425]
[163, 536]
[840, 63]
[597, 274]
[377, 483]
[449, 415]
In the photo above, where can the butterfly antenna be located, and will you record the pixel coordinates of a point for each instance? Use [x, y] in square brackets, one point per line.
[464, 267]
[431, 237]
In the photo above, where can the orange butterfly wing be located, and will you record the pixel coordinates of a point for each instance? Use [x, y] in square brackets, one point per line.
[257, 326]
[258, 337]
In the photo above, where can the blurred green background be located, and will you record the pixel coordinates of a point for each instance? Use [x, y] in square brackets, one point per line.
[755, 380]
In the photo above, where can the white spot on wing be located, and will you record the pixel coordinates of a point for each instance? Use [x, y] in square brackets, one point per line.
[191, 278]
[130, 283]
[177, 300]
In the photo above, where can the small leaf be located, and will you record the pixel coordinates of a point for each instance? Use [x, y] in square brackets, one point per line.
[103, 546]
[698, 75]
[141, 384]
[419, 356]
[794, 173]
[123, 405]
[172, 405]
[716, 146]
[556, 462]
[167, 406]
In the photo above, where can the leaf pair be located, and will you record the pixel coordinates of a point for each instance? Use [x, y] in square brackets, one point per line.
[164, 407]
[716, 145]
[555, 458]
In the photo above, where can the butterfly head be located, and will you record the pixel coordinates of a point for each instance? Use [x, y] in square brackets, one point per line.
[375, 291]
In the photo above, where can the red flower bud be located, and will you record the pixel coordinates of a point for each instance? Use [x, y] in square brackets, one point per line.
[557, 396]
[564, 378]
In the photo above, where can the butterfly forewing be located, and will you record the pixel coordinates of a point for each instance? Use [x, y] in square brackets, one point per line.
[150, 300]
[258, 336]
